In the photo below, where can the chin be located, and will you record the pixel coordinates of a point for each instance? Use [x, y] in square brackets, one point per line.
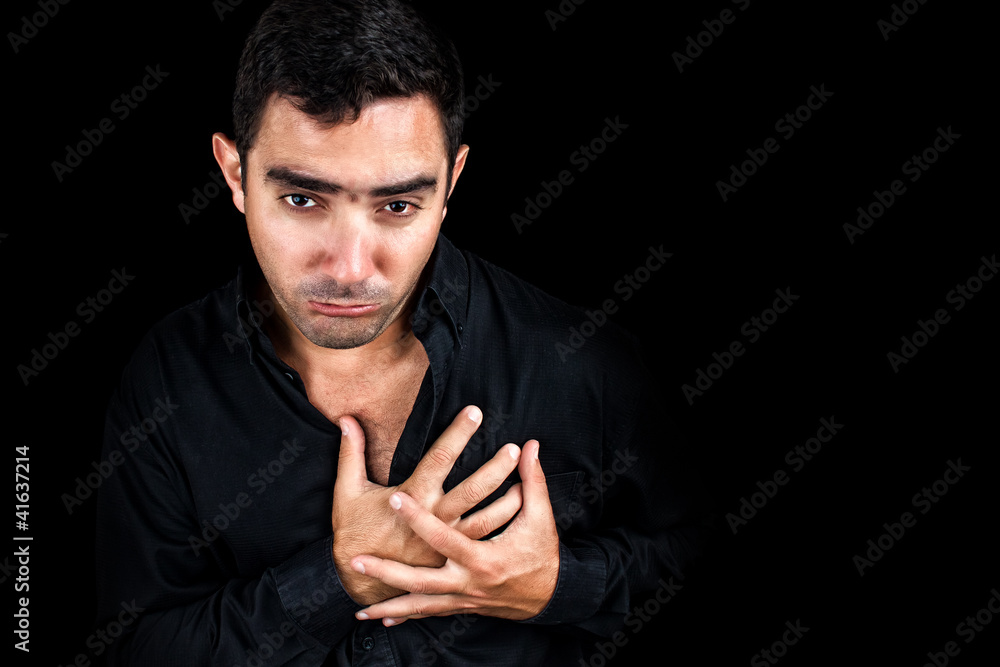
[343, 338]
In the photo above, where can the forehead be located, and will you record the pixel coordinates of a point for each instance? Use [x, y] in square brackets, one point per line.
[389, 136]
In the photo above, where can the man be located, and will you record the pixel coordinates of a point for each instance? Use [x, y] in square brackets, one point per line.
[344, 422]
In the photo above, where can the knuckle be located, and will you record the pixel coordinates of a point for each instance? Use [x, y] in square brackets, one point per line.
[474, 490]
[440, 456]
[438, 537]
[478, 526]
[473, 527]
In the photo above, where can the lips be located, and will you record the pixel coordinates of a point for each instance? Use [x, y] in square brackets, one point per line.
[343, 310]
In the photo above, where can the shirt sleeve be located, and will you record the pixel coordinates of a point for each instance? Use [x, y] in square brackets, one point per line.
[162, 602]
[634, 538]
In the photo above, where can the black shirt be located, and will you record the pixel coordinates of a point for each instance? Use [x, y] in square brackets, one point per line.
[217, 522]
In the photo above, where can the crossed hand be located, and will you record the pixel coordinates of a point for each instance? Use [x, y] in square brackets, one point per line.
[407, 552]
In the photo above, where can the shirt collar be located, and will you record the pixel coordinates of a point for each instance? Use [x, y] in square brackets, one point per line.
[444, 298]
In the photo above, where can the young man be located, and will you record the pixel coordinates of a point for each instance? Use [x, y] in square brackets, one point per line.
[318, 492]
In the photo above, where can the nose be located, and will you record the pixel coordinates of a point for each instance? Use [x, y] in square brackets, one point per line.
[347, 250]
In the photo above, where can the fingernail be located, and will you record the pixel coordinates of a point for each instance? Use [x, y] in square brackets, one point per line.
[388, 621]
[475, 414]
[359, 567]
[537, 447]
[513, 451]
[395, 502]
[361, 616]
[343, 427]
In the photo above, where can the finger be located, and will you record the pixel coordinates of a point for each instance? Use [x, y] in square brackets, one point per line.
[351, 468]
[414, 605]
[423, 580]
[485, 521]
[534, 489]
[477, 486]
[437, 462]
[396, 621]
[441, 537]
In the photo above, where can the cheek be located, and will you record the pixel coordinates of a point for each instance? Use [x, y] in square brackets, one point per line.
[272, 239]
[275, 251]
[406, 252]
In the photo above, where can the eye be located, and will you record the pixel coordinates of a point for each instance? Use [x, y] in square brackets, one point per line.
[401, 208]
[299, 201]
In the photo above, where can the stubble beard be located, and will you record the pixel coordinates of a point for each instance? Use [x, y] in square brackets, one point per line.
[341, 333]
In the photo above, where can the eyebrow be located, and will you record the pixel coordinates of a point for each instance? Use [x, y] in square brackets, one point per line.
[293, 179]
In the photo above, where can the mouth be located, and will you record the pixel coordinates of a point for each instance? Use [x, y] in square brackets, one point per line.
[343, 310]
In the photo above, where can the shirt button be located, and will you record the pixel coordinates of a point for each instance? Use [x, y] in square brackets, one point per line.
[289, 376]
[460, 328]
[368, 643]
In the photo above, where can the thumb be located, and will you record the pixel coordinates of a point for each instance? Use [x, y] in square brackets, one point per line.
[534, 489]
[351, 464]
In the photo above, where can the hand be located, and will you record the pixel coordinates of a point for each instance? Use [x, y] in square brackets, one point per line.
[512, 575]
[363, 522]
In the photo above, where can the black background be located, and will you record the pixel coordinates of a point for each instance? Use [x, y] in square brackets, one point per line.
[656, 184]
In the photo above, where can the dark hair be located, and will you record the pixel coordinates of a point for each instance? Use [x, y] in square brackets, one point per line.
[331, 58]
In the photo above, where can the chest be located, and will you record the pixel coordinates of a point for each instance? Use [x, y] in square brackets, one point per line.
[381, 404]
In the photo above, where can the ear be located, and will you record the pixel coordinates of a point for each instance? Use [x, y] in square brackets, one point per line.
[228, 158]
[463, 152]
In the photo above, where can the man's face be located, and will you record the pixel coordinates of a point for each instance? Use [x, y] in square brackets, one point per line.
[343, 218]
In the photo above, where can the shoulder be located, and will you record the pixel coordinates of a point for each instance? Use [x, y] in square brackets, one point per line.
[578, 337]
[201, 333]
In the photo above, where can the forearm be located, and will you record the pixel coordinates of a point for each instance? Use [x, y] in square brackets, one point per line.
[604, 577]
[294, 613]
[243, 618]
